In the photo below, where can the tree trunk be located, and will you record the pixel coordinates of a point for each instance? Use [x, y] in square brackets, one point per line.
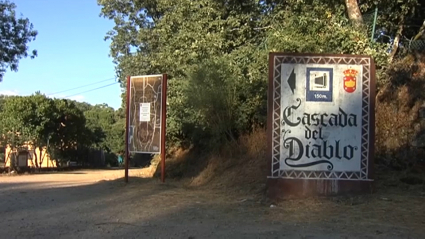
[13, 161]
[396, 41]
[40, 149]
[35, 157]
[353, 11]
[418, 50]
[7, 157]
[421, 32]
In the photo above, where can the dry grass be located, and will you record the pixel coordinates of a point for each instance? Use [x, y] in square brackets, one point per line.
[182, 163]
[397, 121]
[149, 172]
[239, 165]
[242, 162]
[238, 172]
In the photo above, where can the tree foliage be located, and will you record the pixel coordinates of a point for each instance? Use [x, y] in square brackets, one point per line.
[106, 126]
[41, 122]
[15, 34]
[63, 127]
[212, 96]
[187, 38]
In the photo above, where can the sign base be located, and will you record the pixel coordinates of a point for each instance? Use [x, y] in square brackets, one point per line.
[279, 188]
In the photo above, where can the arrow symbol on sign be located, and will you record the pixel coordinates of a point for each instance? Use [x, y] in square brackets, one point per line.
[292, 80]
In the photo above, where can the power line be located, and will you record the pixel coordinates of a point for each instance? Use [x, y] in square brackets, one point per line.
[91, 90]
[79, 87]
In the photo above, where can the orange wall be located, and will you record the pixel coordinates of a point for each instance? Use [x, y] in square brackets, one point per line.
[46, 163]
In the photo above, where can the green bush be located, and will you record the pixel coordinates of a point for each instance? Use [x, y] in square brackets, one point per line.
[213, 95]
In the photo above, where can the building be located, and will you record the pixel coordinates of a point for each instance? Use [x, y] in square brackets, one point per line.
[28, 156]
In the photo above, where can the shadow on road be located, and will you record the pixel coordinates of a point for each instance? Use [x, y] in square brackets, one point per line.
[146, 208]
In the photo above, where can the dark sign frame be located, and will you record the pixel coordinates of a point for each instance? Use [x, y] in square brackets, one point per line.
[163, 115]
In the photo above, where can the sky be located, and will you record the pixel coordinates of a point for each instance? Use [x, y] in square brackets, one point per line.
[72, 53]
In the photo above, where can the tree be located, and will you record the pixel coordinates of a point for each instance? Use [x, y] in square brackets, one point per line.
[2, 98]
[70, 133]
[40, 126]
[397, 24]
[58, 126]
[212, 95]
[106, 126]
[116, 136]
[99, 120]
[12, 127]
[353, 11]
[152, 36]
[29, 120]
[15, 34]
[174, 39]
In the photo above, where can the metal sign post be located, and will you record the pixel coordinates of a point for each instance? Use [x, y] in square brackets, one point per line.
[127, 113]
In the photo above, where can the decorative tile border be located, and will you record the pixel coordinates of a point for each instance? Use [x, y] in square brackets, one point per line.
[277, 60]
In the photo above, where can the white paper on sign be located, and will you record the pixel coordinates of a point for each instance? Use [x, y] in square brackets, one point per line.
[145, 112]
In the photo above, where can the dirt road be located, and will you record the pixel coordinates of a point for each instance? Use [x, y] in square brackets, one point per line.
[98, 204]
